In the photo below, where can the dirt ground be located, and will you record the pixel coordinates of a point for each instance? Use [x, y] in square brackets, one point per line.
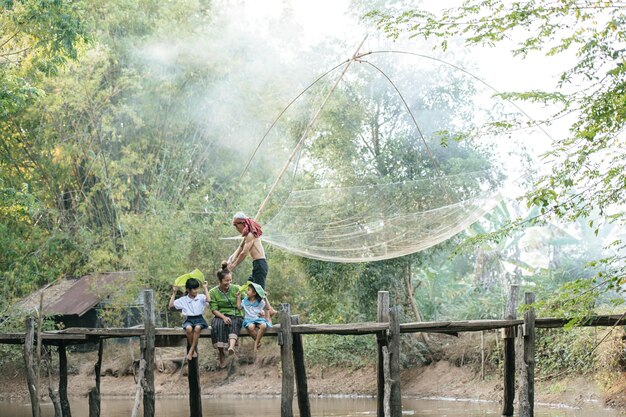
[249, 374]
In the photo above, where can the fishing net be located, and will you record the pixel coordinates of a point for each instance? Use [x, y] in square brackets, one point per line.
[370, 223]
[392, 165]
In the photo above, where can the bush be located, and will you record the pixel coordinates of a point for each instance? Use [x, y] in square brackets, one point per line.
[332, 350]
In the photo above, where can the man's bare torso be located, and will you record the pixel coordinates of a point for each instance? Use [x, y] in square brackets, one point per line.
[257, 251]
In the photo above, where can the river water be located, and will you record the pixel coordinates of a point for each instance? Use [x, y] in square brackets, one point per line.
[270, 407]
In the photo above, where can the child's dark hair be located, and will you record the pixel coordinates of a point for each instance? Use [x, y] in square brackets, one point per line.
[192, 283]
[223, 271]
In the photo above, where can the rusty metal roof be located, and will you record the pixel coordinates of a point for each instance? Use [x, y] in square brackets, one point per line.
[75, 296]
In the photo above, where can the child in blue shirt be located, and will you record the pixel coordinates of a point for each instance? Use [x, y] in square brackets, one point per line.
[253, 306]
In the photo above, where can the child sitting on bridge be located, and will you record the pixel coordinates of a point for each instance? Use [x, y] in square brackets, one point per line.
[253, 306]
[192, 306]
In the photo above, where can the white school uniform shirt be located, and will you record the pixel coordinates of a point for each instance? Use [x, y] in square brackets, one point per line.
[191, 306]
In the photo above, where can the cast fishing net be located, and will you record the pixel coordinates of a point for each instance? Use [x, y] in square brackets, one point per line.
[400, 156]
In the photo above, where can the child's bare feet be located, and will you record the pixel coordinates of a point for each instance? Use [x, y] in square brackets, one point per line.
[231, 351]
[222, 360]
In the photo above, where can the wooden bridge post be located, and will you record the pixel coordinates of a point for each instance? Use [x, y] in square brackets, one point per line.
[31, 378]
[395, 397]
[508, 334]
[193, 377]
[148, 353]
[302, 389]
[526, 359]
[286, 358]
[381, 341]
[65, 402]
[94, 393]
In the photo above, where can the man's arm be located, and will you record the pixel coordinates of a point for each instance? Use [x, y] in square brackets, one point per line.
[235, 254]
[245, 247]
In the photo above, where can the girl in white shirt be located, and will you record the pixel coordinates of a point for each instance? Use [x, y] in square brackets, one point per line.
[192, 306]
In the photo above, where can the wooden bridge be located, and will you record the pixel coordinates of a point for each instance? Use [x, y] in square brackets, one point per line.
[289, 334]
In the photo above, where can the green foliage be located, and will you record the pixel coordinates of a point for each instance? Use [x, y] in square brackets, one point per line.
[588, 176]
[354, 351]
[561, 352]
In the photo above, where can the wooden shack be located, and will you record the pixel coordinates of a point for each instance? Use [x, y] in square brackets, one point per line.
[75, 302]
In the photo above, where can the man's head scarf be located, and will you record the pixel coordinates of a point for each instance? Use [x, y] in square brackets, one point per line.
[250, 226]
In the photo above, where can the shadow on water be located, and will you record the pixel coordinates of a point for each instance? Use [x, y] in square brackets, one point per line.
[270, 407]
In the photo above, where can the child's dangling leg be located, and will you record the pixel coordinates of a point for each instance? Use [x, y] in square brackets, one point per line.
[252, 330]
[194, 343]
[189, 334]
[259, 335]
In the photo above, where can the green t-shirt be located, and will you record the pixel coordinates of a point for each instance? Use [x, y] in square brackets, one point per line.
[225, 303]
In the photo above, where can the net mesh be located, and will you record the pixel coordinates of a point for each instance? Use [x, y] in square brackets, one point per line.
[406, 153]
[377, 222]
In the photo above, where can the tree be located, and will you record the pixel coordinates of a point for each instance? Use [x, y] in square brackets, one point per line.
[589, 172]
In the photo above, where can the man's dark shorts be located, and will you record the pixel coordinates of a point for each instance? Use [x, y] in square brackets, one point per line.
[259, 272]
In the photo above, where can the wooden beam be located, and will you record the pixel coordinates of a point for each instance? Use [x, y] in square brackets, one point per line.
[527, 360]
[138, 388]
[65, 402]
[302, 389]
[31, 378]
[94, 403]
[94, 394]
[148, 353]
[381, 342]
[193, 377]
[286, 358]
[394, 363]
[509, 353]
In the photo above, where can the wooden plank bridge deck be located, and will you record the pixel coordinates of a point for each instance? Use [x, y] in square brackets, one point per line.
[82, 335]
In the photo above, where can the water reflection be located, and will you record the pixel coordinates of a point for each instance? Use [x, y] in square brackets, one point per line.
[320, 407]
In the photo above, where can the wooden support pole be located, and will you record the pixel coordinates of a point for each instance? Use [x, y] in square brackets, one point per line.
[286, 358]
[94, 403]
[94, 394]
[138, 388]
[193, 377]
[395, 403]
[65, 402]
[387, 395]
[508, 335]
[31, 377]
[39, 340]
[526, 360]
[54, 399]
[148, 353]
[482, 355]
[302, 389]
[381, 341]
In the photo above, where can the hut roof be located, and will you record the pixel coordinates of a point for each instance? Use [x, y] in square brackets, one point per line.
[75, 296]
